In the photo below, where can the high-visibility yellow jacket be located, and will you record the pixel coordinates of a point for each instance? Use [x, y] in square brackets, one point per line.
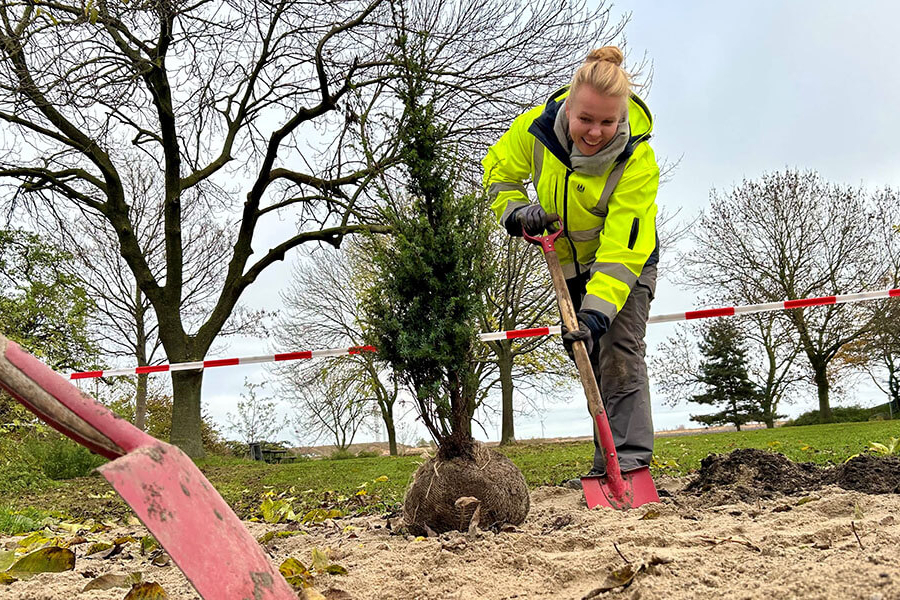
[609, 220]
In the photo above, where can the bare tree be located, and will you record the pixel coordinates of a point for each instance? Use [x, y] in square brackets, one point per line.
[877, 352]
[256, 418]
[322, 311]
[331, 405]
[260, 101]
[521, 297]
[791, 235]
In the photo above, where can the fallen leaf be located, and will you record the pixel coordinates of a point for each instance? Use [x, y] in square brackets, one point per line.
[111, 580]
[51, 559]
[75, 541]
[159, 558]
[650, 514]
[319, 560]
[121, 541]
[148, 544]
[7, 557]
[146, 591]
[6, 579]
[624, 577]
[98, 547]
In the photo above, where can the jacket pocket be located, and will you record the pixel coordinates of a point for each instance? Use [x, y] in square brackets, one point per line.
[635, 229]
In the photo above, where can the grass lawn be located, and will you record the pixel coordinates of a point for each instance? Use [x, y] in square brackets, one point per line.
[377, 484]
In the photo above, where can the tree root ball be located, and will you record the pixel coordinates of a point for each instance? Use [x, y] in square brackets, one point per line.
[440, 496]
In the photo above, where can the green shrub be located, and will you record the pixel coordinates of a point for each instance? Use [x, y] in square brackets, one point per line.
[840, 414]
[367, 454]
[341, 455]
[61, 458]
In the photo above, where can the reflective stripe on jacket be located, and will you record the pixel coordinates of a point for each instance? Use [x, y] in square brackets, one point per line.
[610, 230]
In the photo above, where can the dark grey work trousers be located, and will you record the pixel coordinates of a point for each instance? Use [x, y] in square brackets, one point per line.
[621, 373]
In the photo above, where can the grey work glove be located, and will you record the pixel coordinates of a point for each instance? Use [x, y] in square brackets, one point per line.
[533, 218]
[583, 334]
[591, 325]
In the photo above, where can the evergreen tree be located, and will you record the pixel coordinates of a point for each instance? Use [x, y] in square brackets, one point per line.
[432, 274]
[724, 373]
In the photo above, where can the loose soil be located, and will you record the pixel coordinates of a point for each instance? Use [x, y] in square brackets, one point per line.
[750, 525]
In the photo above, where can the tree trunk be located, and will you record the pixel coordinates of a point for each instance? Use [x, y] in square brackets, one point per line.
[894, 388]
[140, 402]
[140, 392]
[820, 371]
[388, 416]
[507, 431]
[186, 419]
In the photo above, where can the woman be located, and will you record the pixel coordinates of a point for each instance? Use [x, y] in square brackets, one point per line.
[586, 153]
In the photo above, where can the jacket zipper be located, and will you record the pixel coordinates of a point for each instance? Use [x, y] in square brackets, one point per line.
[566, 223]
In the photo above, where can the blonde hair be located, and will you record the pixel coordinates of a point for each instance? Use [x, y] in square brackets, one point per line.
[602, 70]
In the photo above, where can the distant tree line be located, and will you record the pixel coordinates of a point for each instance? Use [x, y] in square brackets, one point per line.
[787, 235]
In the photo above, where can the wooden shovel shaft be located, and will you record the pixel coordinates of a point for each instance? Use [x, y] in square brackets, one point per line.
[586, 372]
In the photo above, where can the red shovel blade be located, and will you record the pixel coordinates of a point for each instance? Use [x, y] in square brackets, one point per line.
[167, 491]
[639, 489]
[193, 523]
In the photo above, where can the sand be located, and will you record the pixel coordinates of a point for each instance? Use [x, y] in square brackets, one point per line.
[826, 543]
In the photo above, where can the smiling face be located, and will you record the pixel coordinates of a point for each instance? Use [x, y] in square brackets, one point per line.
[593, 118]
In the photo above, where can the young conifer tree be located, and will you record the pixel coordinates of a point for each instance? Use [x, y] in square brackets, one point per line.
[432, 275]
[724, 373]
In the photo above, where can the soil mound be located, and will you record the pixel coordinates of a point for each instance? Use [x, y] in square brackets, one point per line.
[867, 473]
[452, 494]
[753, 474]
[749, 474]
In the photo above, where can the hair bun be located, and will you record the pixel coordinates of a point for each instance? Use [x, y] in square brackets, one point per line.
[606, 53]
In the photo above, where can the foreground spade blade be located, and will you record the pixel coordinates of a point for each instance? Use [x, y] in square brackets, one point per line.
[194, 524]
[639, 490]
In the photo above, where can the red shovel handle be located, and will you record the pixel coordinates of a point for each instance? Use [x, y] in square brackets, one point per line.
[582, 361]
[59, 403]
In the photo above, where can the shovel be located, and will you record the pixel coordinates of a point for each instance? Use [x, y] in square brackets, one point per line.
[162, 485]
[616, 489]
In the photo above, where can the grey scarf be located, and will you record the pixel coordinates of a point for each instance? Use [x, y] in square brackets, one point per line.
[599, 162]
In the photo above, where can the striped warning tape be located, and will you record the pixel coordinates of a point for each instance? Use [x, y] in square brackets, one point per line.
[496, 335]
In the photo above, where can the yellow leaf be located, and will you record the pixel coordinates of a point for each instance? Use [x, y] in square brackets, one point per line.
[51, 559]
[72, 528]
[98, 547]
[146, 591]
[6, 579]
[381, 479]
[319, 560]
[292, 567]
[121, 541]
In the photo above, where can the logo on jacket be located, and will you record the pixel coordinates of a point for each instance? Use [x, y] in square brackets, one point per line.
[580, 187]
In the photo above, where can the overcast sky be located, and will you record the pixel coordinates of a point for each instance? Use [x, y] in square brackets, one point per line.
[739, 88]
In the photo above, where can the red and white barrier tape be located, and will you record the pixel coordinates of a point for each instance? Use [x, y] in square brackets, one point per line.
[497, 335]
[785, 305]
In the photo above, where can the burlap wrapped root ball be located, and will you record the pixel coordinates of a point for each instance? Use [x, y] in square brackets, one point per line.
[445, 495]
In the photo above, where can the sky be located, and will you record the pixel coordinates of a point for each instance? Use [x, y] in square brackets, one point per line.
[739, 89]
